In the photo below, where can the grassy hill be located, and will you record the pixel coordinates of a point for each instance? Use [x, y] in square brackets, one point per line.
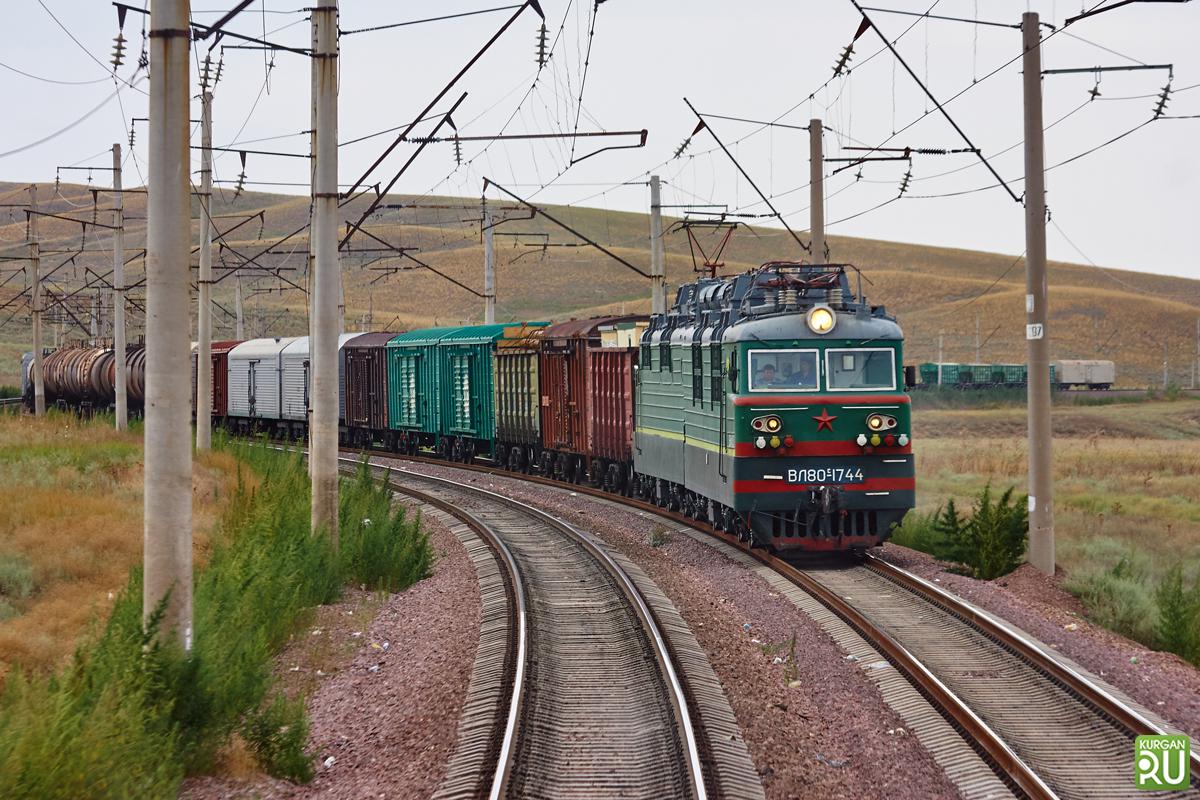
[1095, 313]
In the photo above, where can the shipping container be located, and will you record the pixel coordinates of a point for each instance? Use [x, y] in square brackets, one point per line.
[518, 420]
[365, 398]
[254, 378]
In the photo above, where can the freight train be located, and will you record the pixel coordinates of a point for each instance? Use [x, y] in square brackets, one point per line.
[1093, 375]
[769, 403]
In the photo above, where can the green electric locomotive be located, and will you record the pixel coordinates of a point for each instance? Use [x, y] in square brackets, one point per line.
[771, 403]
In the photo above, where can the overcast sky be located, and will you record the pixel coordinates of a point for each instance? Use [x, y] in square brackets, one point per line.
[1131, 204]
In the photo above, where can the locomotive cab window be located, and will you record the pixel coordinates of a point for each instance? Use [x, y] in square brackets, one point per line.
[783, 371]
[865, 369]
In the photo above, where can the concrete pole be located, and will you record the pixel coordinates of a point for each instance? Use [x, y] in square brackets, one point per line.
[35, 305]
[816, 191]
[1196, 364]
[239, 314]
[1166, 372]
[323, 431]
[940, 338]
[204, 283]
[489, 271]
[167, 536]
[978, 343]
[1041, 474]
[658, 275]
[119, 386]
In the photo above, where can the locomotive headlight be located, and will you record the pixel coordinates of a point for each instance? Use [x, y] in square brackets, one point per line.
[770, 424]
[879, 422]
[821, 319]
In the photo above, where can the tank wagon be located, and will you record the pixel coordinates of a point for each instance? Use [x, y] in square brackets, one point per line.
[84, 378]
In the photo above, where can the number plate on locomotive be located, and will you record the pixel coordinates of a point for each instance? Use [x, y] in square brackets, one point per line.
[825, 475]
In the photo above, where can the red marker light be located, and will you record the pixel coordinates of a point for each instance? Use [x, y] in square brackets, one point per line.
[788, 441]
[889, 440]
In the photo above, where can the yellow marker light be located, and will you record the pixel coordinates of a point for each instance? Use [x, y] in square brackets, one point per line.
[821, 319]
[875, 440]
[775, 441]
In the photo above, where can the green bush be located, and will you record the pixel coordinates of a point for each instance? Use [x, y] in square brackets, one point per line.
[277, 733]
[1117, 596]
[9, 391]
[16, 577]
[131, 715]
[1179, 615]
[990, 543]
[380, 548]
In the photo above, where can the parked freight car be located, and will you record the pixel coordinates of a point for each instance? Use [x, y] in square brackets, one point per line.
[365, 398]
[1094, 375]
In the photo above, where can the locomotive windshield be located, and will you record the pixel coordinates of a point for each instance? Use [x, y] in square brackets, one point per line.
[868, 368]
[786, 370]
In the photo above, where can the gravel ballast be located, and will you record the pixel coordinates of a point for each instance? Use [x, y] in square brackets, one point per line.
[814, 725]
[1162, 682]
[384, 723]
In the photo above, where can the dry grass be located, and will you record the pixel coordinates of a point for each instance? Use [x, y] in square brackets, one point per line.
[1137, 492]
[930, 289]
[71, 505]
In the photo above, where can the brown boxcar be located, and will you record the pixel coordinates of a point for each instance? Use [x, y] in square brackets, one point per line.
[220, 375]
[610, 391]
[366, 388]
[518, 420]
[563, 367]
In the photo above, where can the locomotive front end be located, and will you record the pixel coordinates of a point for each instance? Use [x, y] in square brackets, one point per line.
[822, 425]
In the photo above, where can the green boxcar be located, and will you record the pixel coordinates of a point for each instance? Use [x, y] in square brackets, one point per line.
[441, 391]
[951, 373]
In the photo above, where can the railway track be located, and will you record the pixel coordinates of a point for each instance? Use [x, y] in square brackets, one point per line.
[1044, 725]
[577, 691]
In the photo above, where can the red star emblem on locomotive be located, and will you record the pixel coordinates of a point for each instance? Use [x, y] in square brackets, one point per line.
[824, 422]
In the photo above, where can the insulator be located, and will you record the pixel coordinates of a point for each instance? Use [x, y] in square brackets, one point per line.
[835, 295]
[1163, 99]
[204, 73]
[843, 60]
[541, 46]
[131, 130]
[789, 297]
[220, 68]
[457, 152]
[904, 182]
[118, 56]
[682, 146]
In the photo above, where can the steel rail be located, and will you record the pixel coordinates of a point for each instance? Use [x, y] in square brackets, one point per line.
[1007, 763]
[504, 758]
[1017, 642]
[632, 594]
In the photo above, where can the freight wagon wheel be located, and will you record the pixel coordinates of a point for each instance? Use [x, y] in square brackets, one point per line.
[615, 480]
[595, 473]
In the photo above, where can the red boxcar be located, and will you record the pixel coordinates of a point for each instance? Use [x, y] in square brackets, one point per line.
[563, 372]
[220, 375]
[366, 388]
[610, 403]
